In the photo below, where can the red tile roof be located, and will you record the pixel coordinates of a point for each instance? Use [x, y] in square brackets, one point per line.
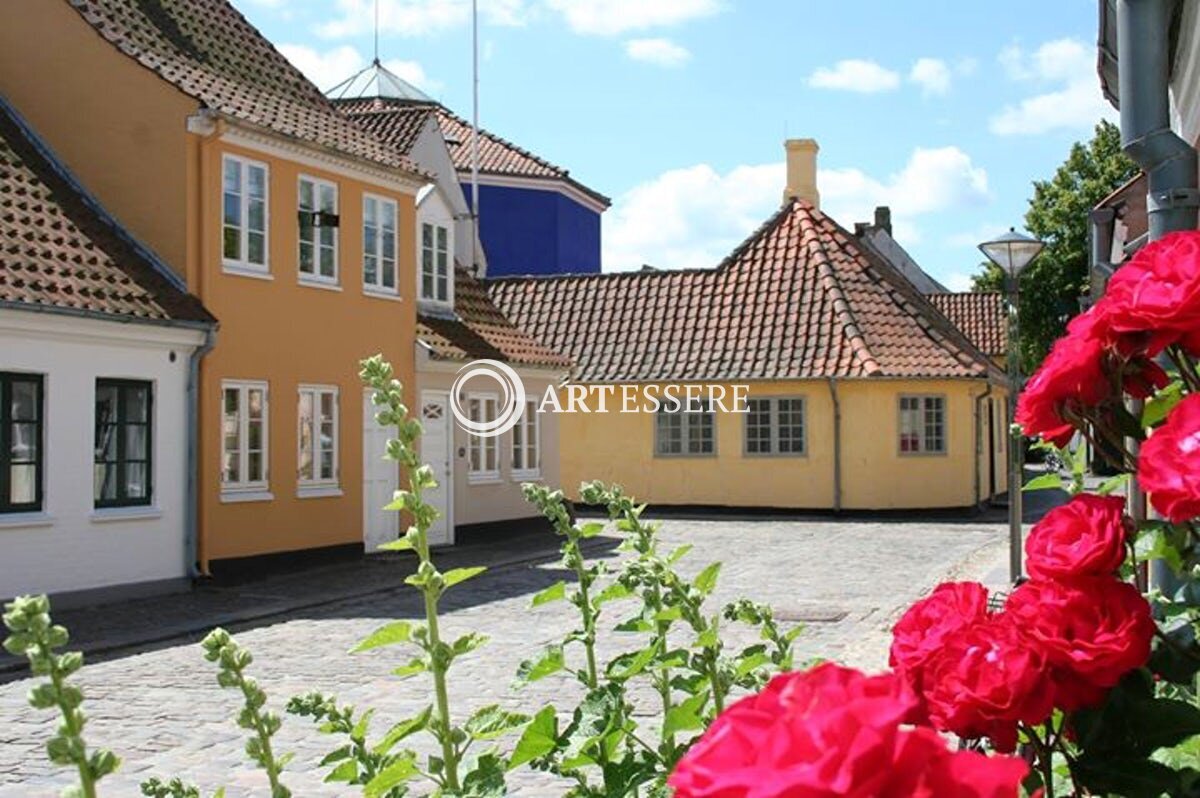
[801, 298]
[395, 123]
[60, 250]
[980, 315]
[210, 52]
[478, 329]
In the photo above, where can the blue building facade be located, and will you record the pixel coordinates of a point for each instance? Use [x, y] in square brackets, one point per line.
[538, 231]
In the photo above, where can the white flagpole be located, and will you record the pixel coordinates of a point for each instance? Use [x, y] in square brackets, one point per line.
[475, 136]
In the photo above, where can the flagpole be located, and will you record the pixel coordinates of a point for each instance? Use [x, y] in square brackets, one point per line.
[475, 136]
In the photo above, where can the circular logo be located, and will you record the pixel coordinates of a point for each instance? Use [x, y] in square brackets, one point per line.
[509, 408]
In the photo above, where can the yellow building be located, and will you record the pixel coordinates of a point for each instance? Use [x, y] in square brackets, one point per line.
[294, 226]
[860, 393]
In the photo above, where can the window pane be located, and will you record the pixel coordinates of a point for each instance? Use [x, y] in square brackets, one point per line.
[369, 271]
[389, 245]
[233, 176]
[24, 400]
[104, 482]
[389, 274]
[23, 447]
[328, 266]
[232, 465]
[441, 239]
[255, 402]
[306, 195]
[257, 179]
[306, 257]
[254, 433]
[427, 236]
[256, 248]
[326, 465]
[137, 403]
[136, 484]
[232, 247]
[254, 466]
[135, 442]
[23, 486]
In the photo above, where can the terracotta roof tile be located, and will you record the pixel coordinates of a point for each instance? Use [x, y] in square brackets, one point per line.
[980, 315]
[59, 249]
[801, 298]
[210, 52]
[398, 125]
[478, 329]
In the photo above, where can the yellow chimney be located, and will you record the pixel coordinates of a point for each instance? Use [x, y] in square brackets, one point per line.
[802, 171]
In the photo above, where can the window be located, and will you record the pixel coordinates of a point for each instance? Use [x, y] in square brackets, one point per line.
[526, 444]
[244, 436]
[685, 432]
[122, 474]
[379, 244]
[318, 436]
[20, 442]
[318, 217]
[435, 263]
[775, 425]
[483, 464]
[922, 425]
[245, 214]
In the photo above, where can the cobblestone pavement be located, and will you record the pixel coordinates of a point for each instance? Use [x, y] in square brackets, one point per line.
[163, 713]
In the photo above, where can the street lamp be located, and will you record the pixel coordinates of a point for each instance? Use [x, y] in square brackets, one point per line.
[1012, 252]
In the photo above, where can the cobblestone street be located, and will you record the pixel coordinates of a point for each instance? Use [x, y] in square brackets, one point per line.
[162, 712]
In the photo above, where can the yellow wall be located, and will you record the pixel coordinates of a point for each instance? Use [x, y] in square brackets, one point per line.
[874, 475]
[287, 334]
[118, 126]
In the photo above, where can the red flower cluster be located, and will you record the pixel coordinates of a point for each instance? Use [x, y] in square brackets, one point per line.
[1063, 639]
[1169, 463]
[832, 731]
[1151, 303]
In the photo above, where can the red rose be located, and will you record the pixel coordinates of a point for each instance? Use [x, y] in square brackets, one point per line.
[1157, 294]
[1092, 630]
[1084, 537]
[831, 731]
[1169, 463]
[985, 681]
[926, 626]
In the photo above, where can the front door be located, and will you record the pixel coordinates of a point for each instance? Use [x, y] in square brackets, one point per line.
[381, 479]
[437, 442]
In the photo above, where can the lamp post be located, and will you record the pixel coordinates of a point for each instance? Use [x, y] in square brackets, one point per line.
[1012, 252]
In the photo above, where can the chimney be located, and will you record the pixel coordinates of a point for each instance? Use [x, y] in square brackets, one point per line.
[802, 171]
[883, 218]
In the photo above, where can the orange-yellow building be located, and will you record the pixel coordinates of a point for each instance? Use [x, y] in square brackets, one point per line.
[293, 226]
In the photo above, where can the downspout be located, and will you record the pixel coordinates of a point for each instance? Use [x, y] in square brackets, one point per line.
[1143, 75]
[979, 443]
[191, 553]
[837, 445]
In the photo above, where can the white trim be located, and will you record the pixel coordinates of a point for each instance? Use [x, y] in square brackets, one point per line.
[543, 184]
[527, 471]
[321, 284]
[316, 157]
[34, 518]
[922, 449]
[64, 327]
[104, 515]
[306, 491]
[238, 270]
[435, 226]
[246, 486]
[379, 293]
[481, 444]
[316, 279]
[241, 265]
[316, 392]
[378, 287]
[241, 496]
[447, 481]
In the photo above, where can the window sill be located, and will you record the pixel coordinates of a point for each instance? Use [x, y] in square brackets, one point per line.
[324, 285]
[923, 454]
[383, 293]
[526, 476]
[102, 515]
[318, 492]
[237, 497]
[242, 270]
[30, 519]
[484, 479]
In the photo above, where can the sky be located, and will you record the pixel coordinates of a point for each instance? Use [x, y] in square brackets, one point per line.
[945, 110]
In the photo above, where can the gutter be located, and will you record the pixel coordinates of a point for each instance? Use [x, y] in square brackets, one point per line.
[979, 447]
[191, 552]
[837, 445]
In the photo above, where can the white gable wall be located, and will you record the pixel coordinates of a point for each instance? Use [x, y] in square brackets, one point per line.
[430, 154]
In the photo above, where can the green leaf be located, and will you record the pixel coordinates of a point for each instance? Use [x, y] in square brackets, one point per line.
[1131, 778]
[679, 553]
[551, 661]
[750, 663]
[668, 615]
[706, 580]
[539, 738]
[394, 774]
[346, 772]
[468, 643]
[1159, 405]
[1113, 484]
[454, 577]
[415, 665]
[687, 715]
[1048, 481]
[626, 666]
[391, 634]
[336, 756]
[404, 728]
[359, 732]
[491, 722]
[399, 544]
[1162, 723]
[486, 779]
[613, 592]
[590, 530]
[555, 592]
[638, 624]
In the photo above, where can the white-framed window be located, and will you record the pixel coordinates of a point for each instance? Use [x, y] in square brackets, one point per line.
[689, 432]
[379, 244]
[527, 443]
[483, 463]
[244, 214]
[317, 438]
[775, 425]
[244, 435]
[922, 424]
[317, 213]
[436, 272]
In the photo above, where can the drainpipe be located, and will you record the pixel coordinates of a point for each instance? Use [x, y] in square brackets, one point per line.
[191, 554]
[837, 446]
[1144, 71]
[979, 400]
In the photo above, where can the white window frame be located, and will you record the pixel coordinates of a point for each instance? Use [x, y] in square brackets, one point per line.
[242, 265]
[774, 427]
[481, 446]
[689, 425]
[527, 428]
[434, 227]
[243, 387]
[316, 276]
[378, 286]
[922, 450]
[306, 486]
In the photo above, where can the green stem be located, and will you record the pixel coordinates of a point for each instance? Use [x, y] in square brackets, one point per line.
[718, 693]
[264, 738]
[439, 683]
[664, 683]
[585, 610]
[73, 728]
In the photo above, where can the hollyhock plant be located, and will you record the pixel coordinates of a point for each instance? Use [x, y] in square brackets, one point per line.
[1169, 463]
[1084, 537]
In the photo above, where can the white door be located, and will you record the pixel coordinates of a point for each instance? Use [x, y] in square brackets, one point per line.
[437, 443]
[381, 479]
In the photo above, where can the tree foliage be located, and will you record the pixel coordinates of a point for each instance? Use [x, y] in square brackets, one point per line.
[1058, 215]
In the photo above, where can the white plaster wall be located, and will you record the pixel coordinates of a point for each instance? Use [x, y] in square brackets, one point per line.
[1185, 81]
[430, 153]
[70, 545]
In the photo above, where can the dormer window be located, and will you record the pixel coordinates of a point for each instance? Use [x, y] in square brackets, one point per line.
[435, 263]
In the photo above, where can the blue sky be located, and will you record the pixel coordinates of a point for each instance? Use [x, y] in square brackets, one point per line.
[677, 109]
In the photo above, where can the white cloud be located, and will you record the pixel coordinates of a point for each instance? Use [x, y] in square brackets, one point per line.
[855, 74]
[417, 17]
[331, 67]
[662, 52]
[1067, 67]
[973, 238]
[957, 281]
[611, 17]
[693, 217]
[932, 75]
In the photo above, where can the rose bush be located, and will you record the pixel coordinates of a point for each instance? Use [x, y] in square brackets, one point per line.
[1084, 537]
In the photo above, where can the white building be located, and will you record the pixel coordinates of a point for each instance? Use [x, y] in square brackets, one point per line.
[99, 351]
